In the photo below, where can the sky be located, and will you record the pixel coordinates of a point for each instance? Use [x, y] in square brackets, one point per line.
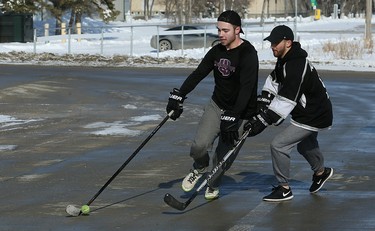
[311, 34]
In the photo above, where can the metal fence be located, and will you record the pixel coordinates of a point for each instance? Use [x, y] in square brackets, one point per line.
[131, 40]
[123, 40]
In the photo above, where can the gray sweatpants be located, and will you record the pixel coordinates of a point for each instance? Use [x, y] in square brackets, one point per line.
[307, 146]
[208, 131]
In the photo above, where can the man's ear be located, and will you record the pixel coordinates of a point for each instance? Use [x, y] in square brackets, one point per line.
[237, 30]
[289, 43]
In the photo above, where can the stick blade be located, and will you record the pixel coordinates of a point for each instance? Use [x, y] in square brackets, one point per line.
[73, 210]
[173, 202]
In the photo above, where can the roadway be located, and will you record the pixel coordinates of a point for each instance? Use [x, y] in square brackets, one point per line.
[62, 139]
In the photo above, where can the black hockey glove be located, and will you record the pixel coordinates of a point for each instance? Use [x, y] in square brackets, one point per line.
[229, 127]
[175, 101]
[264, 100]
[257, 124]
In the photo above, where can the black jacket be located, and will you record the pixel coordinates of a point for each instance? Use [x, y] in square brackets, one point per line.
[236, 78]
[299, 91]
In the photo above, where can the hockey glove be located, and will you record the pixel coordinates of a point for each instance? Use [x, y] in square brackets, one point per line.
[229, 127]
[264, 100]
[257, 124]
[175, 101]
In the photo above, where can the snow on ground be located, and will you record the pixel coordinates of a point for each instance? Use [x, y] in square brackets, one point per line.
[7, 147]
[119, 127]
[118, 49]
[10, 123]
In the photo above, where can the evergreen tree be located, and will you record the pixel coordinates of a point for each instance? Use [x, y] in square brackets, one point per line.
[13, 6]
[77, 8]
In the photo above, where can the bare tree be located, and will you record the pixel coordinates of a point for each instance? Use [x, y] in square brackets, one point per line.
[346, 6]
[77, 8]
[170, 9]
[147, 6]
[198, 8]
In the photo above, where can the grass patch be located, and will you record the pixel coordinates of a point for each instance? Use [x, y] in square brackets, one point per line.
[348, 50]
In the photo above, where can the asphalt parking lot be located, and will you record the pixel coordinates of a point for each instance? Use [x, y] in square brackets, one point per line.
[66, 130]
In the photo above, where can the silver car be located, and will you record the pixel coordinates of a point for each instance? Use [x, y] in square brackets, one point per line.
[193, 37]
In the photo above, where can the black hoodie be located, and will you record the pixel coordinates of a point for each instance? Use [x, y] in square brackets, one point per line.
[299, 91]
[236, 78]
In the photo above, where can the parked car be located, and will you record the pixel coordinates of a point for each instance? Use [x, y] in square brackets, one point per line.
[193, 37]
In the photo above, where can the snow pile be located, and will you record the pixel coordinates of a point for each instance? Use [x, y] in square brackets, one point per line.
[119, 48]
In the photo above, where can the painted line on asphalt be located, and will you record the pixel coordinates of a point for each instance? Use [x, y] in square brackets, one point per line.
[249, 220]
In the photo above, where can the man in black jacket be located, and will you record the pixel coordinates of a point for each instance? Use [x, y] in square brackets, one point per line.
[234, 63]
[293, 87]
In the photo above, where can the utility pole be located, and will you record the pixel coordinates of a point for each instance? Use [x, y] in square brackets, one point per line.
[263, 13]
[368, 35]
[189, 15]
[285, 8]
[295, 20]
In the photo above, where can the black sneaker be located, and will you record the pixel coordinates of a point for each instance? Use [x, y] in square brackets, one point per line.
[318, 181]
[279, 193]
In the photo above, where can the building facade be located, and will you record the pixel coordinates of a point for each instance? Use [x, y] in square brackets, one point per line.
[136, 8]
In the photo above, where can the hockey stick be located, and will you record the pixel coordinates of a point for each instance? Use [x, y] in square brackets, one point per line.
[74, 211]
[174, 203]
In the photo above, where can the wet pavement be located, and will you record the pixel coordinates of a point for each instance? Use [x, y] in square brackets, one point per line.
[66, 130]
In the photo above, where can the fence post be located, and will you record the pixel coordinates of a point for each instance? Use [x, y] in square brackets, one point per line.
[131, 41]
[205, 39]
[34, 41]
[182, 40]
[69, 40]
[63, 32]
[157, 41]
[101, 42]
[79, 30]
[46, 31]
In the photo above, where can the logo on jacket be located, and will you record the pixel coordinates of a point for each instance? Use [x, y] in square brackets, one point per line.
[224, 67]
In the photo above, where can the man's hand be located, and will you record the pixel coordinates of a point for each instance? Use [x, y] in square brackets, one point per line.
[257, 124]
[229, 127]
[175, 101]
[264, 100]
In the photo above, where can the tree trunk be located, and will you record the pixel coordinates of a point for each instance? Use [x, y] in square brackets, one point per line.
[58, 25]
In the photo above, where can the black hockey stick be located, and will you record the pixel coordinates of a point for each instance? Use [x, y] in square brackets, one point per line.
[174, 203]
[74, 211]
